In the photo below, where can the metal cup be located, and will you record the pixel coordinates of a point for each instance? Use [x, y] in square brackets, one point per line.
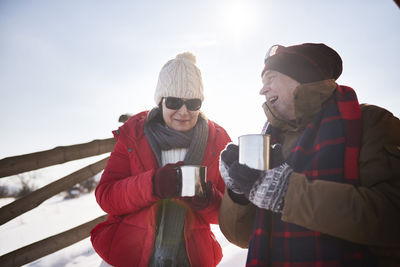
[254, 151]
[193, 180]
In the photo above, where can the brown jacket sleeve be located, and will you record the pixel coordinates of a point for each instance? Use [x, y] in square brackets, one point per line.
[368, 214]
[236, 221]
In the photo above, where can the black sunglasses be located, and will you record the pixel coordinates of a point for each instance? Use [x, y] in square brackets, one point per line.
[176, 103]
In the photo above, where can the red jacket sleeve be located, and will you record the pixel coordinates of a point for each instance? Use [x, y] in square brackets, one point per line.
[119, 192]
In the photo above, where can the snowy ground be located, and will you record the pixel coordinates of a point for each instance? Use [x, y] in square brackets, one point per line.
[57, 215]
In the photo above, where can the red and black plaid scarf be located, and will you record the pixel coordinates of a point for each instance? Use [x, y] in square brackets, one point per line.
[327, 150]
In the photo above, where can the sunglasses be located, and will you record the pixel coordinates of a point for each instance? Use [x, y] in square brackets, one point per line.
[176, 103]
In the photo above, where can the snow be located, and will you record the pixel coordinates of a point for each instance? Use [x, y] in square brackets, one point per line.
[57, 215]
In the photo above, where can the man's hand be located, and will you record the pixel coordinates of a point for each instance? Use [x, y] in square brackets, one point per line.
[243, 176]
[265, 189]
[269, 191]
[229, 155]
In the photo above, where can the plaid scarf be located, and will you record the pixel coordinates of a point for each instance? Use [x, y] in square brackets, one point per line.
[328, 150]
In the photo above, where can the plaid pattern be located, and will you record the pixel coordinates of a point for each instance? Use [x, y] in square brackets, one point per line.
[328, 150]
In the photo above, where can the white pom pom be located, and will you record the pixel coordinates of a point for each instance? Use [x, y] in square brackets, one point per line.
[188, 56]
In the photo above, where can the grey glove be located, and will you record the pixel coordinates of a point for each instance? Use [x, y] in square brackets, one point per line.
[229, 155]
[269, 191]
[265, 189]
[223, 169]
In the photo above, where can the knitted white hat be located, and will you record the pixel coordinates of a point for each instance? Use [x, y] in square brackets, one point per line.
[181, 78]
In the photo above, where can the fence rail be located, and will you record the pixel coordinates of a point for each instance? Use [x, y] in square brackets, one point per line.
[19, 164]
[28, 162]
[34, 199]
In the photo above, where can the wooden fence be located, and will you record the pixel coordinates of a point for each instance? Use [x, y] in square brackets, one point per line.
[19, 164]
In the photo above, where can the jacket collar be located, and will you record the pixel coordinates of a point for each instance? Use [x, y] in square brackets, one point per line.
[132, 135]
[308, 101]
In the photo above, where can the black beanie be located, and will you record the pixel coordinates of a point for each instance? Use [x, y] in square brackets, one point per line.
[304, 63]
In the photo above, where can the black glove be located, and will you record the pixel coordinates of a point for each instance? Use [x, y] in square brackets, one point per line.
[243, 176]
[276, 158]
[230, 154]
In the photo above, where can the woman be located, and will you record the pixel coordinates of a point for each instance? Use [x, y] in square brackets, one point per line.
[148, 223]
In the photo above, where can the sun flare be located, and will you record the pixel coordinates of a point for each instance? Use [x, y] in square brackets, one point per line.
[238, 19]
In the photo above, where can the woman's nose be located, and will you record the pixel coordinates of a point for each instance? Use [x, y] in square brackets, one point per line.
[183, 109]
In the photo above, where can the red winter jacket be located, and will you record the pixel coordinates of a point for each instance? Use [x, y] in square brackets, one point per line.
[125, 192]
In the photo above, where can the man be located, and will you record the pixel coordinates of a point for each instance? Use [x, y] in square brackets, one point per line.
[332, 196]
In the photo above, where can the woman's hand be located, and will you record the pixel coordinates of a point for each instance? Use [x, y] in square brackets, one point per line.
[167, 180]
[201, 202]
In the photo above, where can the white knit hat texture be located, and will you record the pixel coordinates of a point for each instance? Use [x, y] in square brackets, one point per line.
[180, 77]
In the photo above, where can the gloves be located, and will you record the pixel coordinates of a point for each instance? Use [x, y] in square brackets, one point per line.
[228, 156]
[243, 176]
[200, 202]
[265, 189]
[269, 191]
[167, 181]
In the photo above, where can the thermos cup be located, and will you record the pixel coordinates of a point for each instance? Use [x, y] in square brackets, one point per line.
[254, 151]
[194, 179]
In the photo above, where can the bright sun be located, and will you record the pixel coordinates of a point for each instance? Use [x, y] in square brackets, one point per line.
[238, 18]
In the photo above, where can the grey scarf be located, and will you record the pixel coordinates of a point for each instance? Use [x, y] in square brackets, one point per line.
[169, 246]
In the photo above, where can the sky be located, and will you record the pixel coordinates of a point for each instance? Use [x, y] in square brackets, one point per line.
[69, 69]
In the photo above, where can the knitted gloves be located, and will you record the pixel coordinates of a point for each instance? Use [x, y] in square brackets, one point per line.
[228, 156]
[167, 181]
[265, 189]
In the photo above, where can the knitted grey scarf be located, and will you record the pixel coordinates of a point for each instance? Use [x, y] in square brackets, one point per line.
[169, 246]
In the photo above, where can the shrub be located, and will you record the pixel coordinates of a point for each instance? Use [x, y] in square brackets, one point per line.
[4, 192]
[84, 187]
[27, 184]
